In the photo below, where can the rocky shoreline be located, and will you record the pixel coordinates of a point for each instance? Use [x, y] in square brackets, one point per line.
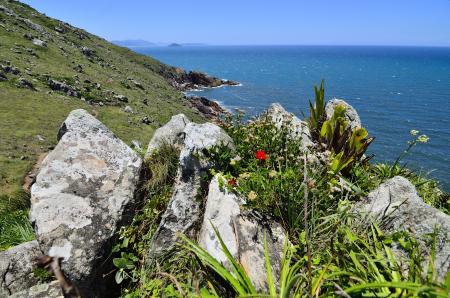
[194, 80]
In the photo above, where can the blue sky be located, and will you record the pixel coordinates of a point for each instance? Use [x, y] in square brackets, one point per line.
[233, 22]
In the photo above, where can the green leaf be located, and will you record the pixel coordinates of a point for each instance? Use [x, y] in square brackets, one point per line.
[120, 276]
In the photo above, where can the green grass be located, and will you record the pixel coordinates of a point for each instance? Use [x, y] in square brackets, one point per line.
[15, 229]
[24, 113]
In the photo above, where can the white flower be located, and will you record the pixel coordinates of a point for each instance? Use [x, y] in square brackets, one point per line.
[414, 132]
[423, 139]
[252, 195]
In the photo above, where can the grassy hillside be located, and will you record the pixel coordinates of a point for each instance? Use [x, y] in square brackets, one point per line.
[35, 49]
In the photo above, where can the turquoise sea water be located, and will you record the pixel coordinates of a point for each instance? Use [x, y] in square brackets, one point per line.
[394, 89]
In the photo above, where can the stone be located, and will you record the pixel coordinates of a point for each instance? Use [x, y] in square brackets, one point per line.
[121, 98]
[298, 128]
[63, 87]
[59, 29]
[33, 25]
[183, 210]
[209, 108]
[128, 109]
[87, 51]
[135, 144]
[38, 42]
[24, 83]
[86, 189]
[351, 114]
[46, 290]
[3, 77]
[146, 120]
[171, 134]
[243, 234]
[137, 84]
[16, 268]
[398, 207]
[7, 11]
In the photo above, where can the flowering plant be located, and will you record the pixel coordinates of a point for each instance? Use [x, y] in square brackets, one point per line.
[261, 155]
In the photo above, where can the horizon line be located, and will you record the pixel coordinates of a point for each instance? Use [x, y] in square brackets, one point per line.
[199, 44]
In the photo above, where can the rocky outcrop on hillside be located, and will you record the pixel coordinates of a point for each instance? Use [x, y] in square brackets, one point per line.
[171, 134]
[298, 128]
[86, 189]
[396, 205]
[183, 210]
[242, 232]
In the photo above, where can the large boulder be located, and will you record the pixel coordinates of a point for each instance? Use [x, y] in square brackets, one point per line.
[171, 134]
[85, 191]
[183, 211]
[351, 114]
[243, 234]
[396, 204]
[298, 128]
[47, 290]
[16, 268]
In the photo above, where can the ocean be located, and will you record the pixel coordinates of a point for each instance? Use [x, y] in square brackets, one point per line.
[394, 89]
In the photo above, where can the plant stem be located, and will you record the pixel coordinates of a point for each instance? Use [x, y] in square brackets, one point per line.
[305, 217]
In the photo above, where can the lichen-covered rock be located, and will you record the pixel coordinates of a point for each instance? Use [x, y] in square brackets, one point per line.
[85, 190]
[397, 205]
[243, 234]
[47, 290]
[350, 113]
[183, 210]
[298, 128]
[172, 134]
[221, 209]
[16, 268]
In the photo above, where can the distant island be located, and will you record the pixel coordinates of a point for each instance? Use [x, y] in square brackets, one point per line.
[174, 45]
[133, 43]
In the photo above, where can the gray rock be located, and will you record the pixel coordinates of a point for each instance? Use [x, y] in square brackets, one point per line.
[16, 268]
[47, 290]
[39, 42]
[172, 134]
[7, 11]
[350, 113]
[242, 233]
[24, 83]
[396, 204]
[135, 144]
[87, 51]
[3, 77]
[128, 109]
[63, 87]
[121, 98]
[137, 84]
[183, 211]
[33, 25]
[146, 120]
[85, 191]
[298, 128]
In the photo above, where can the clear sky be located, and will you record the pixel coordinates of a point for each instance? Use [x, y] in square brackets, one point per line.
[264, 22]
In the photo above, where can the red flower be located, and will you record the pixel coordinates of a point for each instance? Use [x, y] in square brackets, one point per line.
[232, 182]
[261, 155]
